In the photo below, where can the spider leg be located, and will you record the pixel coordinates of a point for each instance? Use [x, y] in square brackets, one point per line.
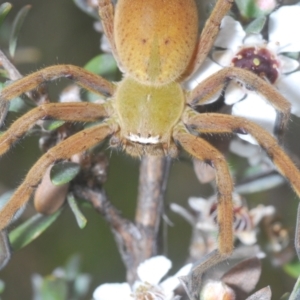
[83, 78]
[208, 36]
[106, 13]
[79, 111]
[76, 143]
[219, 123]
[192, 283]
[202, 92]
[202, 150]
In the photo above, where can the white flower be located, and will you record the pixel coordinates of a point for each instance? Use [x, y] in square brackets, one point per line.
[217, 290]
[265, 59]
[254, 154]
[149, 287]
[245, 221]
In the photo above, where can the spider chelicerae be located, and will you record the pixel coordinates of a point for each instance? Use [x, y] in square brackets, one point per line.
[149, 112]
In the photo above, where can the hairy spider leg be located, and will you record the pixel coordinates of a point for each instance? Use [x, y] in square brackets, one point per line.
[76, 143]
[205, 152]
[83, 78]
[214, 83]
[219, 123]
[214, 123]
[106, 13]
[208, 36]
[74, 112]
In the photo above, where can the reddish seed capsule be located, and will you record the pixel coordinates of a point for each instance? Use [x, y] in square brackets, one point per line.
[48, 198]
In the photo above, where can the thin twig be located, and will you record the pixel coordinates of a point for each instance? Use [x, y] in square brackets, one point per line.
[13, 74]
[39, 96]
[126, 234]
[136, 241]
[152, 186]
[12, 71]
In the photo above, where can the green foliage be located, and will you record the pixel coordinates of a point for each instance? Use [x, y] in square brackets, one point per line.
[104, 65]
[4, 10]
[293, 269]
[64, 283]
[250, 9]
[17, 105]
[52, 124]
[16, 27]
[31, 229]
[256, 25]
[2, 286]
[64, 172]
[80, 218]
[53, 288]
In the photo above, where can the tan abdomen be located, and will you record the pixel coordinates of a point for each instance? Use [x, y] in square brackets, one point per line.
[155, 39]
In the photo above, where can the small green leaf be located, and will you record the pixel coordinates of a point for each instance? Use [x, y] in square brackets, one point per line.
[246, 7]
[64, 172]
[4, 10]
[16, 27]
[52, 124]
[293, 269]
[256, 25]
[80, 218]
[285, 296]
[106, 66]
[54, 288]
[103, 64]
[31, 229]
[18, 105]
[251, 9]
[4, 73]
[82, 284]
[2, 286]
[72, 267]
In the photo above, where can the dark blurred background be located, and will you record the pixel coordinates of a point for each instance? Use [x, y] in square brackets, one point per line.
[63, 34]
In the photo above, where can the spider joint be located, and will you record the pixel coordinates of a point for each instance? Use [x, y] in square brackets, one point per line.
[209, 162]
[240, 130]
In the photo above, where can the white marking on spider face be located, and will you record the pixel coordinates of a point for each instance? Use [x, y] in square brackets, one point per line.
[143, 140]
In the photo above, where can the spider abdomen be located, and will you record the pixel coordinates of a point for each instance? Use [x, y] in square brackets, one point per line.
[155, 39]
[147, 115]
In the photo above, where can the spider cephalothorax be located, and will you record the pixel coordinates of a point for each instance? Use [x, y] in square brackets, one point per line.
[145, 127]
[148, 112]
